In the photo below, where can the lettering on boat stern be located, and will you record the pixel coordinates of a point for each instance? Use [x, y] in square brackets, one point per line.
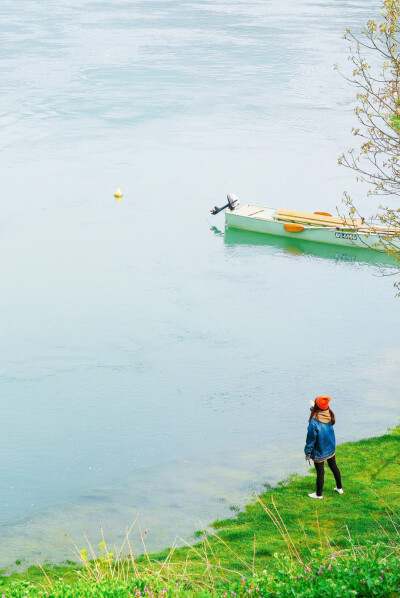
[346, 236]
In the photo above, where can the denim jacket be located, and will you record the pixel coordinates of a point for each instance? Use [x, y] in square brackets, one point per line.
[320, 443]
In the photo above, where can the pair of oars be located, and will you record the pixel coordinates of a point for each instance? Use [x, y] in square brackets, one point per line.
[298, 228]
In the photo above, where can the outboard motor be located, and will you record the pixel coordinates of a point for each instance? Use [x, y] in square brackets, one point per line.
[233, 202]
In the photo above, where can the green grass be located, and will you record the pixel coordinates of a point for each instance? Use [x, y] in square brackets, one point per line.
[282, 521]
[371, 480]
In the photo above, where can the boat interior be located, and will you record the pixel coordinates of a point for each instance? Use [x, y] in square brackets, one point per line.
[316, 219]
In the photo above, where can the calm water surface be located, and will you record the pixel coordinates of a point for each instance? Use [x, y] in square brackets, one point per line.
[149, 363]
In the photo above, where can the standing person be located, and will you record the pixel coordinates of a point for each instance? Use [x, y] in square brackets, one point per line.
[321, 444]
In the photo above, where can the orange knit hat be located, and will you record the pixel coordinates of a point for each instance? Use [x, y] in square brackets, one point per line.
[323, 402]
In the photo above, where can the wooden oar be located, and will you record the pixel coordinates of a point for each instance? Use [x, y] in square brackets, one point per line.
[297, 228]
[292, 227]
[308, 217]
[316, 221]
[298, 223]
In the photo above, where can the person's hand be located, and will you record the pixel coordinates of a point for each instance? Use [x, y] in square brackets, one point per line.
[308, 459]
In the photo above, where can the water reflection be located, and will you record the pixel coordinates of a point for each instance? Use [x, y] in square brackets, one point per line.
[301, 247]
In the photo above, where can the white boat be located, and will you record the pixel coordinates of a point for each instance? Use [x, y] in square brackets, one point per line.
[319, 227]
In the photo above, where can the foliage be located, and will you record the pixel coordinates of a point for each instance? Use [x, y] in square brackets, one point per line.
[357, 572]
[375, 62]
[362, 572]
[105, 588]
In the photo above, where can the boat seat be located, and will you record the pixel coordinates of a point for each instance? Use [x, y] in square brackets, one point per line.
[249, 210]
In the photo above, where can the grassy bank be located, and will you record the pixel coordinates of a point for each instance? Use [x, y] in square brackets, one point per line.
[340, 546]
[371, 480]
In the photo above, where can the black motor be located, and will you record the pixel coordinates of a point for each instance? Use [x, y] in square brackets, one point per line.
[233, 202]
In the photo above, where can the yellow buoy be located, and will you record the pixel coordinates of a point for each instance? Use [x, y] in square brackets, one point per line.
[118, 194]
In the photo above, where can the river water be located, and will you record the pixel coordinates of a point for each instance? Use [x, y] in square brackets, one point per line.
[150, 363]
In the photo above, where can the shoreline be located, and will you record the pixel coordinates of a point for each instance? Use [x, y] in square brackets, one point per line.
[183, 503]
[371, 474]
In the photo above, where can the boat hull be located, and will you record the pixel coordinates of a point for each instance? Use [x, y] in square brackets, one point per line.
[313, 234]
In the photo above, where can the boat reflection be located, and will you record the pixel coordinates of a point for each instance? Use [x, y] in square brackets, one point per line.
[299, 247]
